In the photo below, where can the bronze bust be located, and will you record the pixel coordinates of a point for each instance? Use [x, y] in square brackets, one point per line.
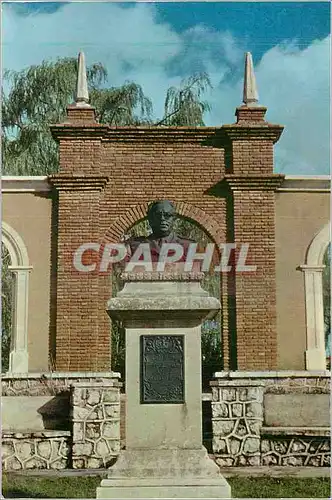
[161, 216]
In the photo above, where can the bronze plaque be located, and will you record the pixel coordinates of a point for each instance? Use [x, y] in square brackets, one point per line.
[162, 369]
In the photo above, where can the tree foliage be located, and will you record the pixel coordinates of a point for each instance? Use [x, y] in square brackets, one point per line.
[184, 106]
[38, 95]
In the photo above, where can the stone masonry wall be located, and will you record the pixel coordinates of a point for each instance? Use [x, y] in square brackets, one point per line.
[237, 417]
[93, 437]
[239, 435]
[96, 424]
[296, 449]
[36, 450]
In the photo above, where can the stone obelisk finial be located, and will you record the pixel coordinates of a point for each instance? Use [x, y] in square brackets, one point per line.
[250, 94]
[82, 93]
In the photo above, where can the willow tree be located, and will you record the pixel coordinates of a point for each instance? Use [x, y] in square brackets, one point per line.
[37, 96]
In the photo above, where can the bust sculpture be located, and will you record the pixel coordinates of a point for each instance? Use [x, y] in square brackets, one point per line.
[161, 216]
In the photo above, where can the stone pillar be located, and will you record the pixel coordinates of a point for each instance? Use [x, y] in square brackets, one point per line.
[164, 456]
[18, 357]
[252, 185]
[315, 355]
[80, 343]
[96, 423]
[78, 338]
[237, 419]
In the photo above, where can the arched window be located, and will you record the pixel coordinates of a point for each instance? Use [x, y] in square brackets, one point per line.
[313, 269]
[16, 251]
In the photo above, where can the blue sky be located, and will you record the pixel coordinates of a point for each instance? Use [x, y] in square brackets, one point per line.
[157, 45]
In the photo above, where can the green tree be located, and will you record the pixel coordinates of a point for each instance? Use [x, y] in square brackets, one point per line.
[38, 95]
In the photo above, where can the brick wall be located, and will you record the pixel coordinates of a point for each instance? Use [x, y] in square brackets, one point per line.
[221, 179]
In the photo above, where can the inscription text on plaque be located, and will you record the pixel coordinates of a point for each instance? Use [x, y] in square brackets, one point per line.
[162, 369]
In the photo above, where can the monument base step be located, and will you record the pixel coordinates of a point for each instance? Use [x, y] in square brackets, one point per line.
[164, 473]
[167, 488]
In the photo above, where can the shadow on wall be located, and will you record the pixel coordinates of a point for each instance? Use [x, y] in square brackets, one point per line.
[56, 412]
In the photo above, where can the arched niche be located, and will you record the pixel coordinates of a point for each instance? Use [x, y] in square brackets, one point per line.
[315, 357]
[18, 358]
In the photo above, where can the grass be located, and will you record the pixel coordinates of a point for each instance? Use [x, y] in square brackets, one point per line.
[17, 486]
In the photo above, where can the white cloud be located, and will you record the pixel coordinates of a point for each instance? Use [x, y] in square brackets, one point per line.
[292, 83]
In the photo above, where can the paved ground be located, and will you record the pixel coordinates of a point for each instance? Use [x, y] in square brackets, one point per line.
[226, 471]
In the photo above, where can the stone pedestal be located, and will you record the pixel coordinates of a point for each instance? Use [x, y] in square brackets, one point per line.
[164, 456]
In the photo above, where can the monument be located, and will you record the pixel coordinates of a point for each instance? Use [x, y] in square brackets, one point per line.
[162, 313]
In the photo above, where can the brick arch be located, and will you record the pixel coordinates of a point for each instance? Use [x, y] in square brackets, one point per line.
[138, 212]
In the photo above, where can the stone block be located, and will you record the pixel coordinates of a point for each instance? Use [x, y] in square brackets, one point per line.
[235, 446]
[24, 449]
[220, 410]
[270, 459]
[12, 463]
[35, 463]
[94, 463]
[280, 446]
[78, 431]
[314, 461]
[85, 448]
[228, 394]
[251, 445]
[93, 397]
[59, 464]
[222, 427]
[254, 427]
[80, 413]
[297, 410]
[219, 445]
[237, 410]
[44, 449]
[225, 462]
[241, 429]
[92, 431]
[265, 446]
[112, 411]
[111, 430]
[298, 446]
[111, 396]
[292, 461]
[7, 449]
[255, 394]
[254, 461]
[101, 448]
[254, 410]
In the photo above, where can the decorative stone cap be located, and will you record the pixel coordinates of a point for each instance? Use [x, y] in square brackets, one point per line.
[81, 114]
[253, 130]
[254, 182]
[295, 431]
[162, 276]
[78, 182]
[249, 114]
